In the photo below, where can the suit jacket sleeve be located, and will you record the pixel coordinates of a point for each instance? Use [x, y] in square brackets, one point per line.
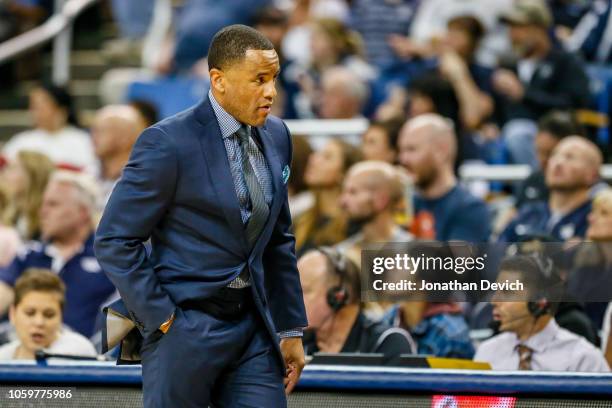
[134, 210]
[282, 279]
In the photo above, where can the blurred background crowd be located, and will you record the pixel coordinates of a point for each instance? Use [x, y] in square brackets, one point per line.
[441, 85]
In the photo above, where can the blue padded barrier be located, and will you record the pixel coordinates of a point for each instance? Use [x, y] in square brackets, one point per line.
[355, 378]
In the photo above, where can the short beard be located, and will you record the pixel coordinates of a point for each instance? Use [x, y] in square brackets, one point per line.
[569, 188]
[362, 220]
[427, 178]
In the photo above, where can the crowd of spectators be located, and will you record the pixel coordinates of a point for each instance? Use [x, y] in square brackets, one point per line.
[442, 83]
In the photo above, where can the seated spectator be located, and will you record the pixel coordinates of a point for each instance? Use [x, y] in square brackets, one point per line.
[343, 94]
[470, 80]
[336, 74]
[379, 142]
[443, 209]
[531, 338]
[37, 313]
[573, 168]
[371, 195]
[67, 222]
[325, 223]
[9, 237]
[431, 20]
[591, 278]
[454, 59]
[114, 131]
[56, 133]
[544, 78]
[332, 289]
[25, 179]
[334, 44]
[552, 127]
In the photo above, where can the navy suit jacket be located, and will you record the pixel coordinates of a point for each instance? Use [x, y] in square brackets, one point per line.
[177, 190]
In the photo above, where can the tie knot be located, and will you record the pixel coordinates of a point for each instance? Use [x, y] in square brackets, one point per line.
[243, 134]
[523, 349]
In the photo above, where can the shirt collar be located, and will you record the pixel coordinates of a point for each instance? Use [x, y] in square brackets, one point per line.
[57, 262]
[544, 338]
[228, 124]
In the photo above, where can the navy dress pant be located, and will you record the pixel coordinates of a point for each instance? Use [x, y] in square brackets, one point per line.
[205, 361]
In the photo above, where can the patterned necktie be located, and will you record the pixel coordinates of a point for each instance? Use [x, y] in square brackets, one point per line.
[525, 354]
[259, 208]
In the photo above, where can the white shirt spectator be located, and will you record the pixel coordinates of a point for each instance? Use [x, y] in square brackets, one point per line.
[554, 349]
[68, 343]
[70, 146]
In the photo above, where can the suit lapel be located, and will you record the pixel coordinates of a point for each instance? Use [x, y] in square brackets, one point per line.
[216, 159]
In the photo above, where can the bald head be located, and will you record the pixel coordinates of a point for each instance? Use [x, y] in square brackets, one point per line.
[574, 164]
[439, 131]
[371, 189]
[380, 177]
[115, 129]
[427, 146]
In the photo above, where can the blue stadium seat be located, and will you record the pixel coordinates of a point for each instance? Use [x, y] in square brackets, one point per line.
[169, 95]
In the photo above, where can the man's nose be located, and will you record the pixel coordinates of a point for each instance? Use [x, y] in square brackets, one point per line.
[38, 320]
[270, 90]
[342, 201]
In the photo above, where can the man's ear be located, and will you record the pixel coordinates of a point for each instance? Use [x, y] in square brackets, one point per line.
[381, 200]
[217, 80]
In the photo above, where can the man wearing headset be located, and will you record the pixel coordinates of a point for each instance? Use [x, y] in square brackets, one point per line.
[332, 290]
[531, 339]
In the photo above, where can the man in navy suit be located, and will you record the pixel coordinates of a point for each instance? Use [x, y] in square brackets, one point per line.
[218, 299]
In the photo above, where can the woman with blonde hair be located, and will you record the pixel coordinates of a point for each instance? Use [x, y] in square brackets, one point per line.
[9, 238]
[25, 180]
[324, 223]
[333, 43]
[590, 278]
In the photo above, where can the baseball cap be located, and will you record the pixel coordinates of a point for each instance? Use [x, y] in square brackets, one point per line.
[528, 12]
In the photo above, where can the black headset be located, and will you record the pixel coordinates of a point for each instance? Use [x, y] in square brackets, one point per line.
[541, 305]
[337, 296]
[546, 270]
